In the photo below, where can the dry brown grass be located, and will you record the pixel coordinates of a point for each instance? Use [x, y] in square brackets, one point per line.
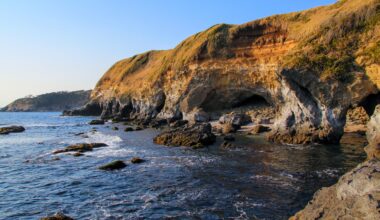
[325, 40]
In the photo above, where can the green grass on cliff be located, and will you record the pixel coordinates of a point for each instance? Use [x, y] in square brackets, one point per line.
[331, 53]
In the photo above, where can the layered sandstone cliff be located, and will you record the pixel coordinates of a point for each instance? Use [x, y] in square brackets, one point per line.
[55, 101]
[310, 66]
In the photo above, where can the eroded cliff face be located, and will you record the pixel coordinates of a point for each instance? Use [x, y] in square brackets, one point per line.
[310, 66]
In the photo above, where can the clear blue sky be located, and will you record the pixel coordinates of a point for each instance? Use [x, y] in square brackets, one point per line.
[55, 45]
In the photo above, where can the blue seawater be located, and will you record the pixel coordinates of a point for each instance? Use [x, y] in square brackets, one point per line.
[254, 180]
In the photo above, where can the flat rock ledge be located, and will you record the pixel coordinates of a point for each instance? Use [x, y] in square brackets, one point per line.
[80, 148]
[195, 136]
[11, 129]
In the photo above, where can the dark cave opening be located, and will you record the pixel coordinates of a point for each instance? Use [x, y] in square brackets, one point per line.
[233, 100]
[369, 104]
[252, 101]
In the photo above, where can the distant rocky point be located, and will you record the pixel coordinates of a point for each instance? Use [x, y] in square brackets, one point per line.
[55, 101]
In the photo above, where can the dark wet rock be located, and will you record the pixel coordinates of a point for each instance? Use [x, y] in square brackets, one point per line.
[227, 144]
[11, 129]
[84, 147]
[137, 160]
[229, 138]
[258, 129]
[90, 109]
[115, 128]
[79, 134]
[58, 216]
[178, 123]
[128, 129]
[158, 123]
[115, 165]
[56, 158]
[196, 136]
[78, 154]
[97, 122]
[119, 119]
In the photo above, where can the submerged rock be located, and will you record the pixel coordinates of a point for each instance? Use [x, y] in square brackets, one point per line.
[115, 165]
[97, 122]
[196, 136]
[84, 147]
[58, 216]
[127, 129]
[137, 160]
[78, 154]
[115, 128]
[11, 129]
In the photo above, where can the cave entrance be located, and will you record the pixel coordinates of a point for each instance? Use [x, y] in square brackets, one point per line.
[369, 104]
[252, 101]
[357, 119]
[217, 101]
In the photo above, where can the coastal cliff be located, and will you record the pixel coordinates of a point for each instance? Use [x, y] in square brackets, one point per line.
[310, 67]
[56, 101]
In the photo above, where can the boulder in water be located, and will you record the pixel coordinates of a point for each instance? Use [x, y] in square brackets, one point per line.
[128, 129]
[115, 165]
[84, 147]
[97, 122]
[11, 129]
[58, 216]
[137, 160]
[196, 136]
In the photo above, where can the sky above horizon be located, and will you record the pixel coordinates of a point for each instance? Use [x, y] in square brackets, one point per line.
[67, 45]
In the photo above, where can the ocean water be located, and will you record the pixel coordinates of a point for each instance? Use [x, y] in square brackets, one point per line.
[255, 180]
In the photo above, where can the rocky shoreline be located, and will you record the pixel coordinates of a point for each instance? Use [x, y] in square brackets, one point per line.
[357, 193]
[297, 78]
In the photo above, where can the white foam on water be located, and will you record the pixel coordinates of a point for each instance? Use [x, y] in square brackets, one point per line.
[42, 125]
[279, 181]
[113, 143]
[328, 172]
[180, 161]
